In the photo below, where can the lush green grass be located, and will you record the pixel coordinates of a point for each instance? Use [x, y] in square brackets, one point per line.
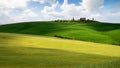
[57, 43]
[93, 32]
[29, 51]
[25, 57]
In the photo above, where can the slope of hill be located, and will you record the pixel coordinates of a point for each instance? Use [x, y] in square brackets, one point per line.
[29, 51]
[93, 32]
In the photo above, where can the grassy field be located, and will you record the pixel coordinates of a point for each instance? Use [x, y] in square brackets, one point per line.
[92, 32]
[31, 51]
[60, 45]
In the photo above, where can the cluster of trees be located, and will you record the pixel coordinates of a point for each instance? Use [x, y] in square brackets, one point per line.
[79, 20]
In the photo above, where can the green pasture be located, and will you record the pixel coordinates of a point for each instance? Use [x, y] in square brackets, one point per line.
[92, 32]
[31, 51]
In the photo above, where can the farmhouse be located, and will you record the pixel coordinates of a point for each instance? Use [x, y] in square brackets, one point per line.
[82, 19]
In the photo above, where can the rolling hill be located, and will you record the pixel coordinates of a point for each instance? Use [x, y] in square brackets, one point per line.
[92, 32]
[33, 51]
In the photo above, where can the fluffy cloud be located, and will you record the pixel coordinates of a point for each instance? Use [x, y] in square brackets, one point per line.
[13, 3]
[92, 5]
[6, 6]
[4, 19]
[26, 15]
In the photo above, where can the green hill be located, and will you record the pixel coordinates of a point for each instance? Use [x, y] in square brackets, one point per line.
[31, 51]
[93, 32]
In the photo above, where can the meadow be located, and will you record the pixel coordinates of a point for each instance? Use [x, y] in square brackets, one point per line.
[31, 51]
[60, 45]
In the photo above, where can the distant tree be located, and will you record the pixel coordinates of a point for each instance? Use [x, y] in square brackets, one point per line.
[73, 19]
[93, 19]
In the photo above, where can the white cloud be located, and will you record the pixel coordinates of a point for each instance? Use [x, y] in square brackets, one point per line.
[71, 9]
[111, 17]
[4, 19]
[6, 6]
[50, 12]
[26, 15]
[92, 5]
[13, 3]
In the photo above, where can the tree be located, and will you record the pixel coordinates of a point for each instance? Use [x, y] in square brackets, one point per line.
[73, 19]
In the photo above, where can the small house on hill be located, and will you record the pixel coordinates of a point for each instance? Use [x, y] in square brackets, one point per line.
[82, 19]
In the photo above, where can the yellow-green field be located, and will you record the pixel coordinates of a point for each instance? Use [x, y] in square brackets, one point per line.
[30, 51]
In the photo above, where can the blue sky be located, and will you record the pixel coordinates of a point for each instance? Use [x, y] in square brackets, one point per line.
[39, 10]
